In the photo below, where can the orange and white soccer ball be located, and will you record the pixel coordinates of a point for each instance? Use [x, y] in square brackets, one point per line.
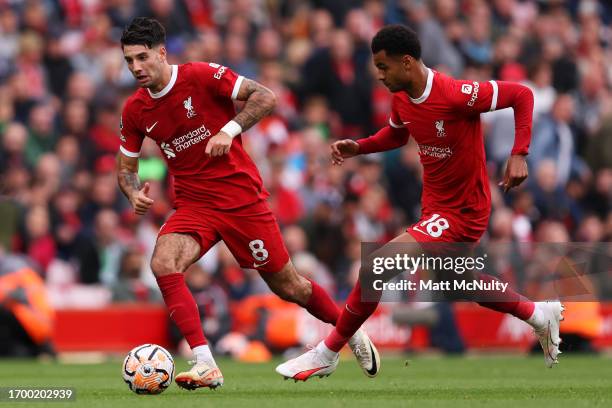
[148, 369]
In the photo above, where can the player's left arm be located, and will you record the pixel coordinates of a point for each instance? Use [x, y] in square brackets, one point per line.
[478, 97]
[260, 102]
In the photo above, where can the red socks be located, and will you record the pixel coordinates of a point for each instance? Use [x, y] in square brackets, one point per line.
[184, 311]
[507, 302]
[321, 305]
[182, 307]
[357, 312]
[352, 317]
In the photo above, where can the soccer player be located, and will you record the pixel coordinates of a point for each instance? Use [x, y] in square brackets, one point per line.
[443, 116]
[188, 110]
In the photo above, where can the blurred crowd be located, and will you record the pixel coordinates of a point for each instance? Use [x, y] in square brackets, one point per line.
[63, 83]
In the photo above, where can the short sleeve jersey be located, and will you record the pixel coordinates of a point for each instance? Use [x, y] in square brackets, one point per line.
[445, 123]
[181, 118]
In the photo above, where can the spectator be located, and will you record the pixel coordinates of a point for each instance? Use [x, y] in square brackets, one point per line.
[477, 45]
[129, 287]
[236, 56]
[437, 51]
[336, 73]
[37, 239]
[42, 137]
[553, 138]
[550, 198]
[12, 151]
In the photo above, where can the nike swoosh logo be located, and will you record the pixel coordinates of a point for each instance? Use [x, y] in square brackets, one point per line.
[374, 369]
[405, 123]
[149, 129]
[201, 373]
[256, 265]
[349, 310]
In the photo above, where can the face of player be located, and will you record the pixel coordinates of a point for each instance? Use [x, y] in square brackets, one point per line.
[146, 64]
[394, 71]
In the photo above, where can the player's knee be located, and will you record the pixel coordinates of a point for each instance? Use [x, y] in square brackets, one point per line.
[161, 266]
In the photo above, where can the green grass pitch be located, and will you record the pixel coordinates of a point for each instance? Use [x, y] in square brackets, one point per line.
[489, 381]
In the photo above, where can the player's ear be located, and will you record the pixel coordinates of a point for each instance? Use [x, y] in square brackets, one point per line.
[407, 62]
[162, 52]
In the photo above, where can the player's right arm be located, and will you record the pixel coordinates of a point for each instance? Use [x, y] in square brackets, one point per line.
[390, 137]
[127, 164]
[129, 183]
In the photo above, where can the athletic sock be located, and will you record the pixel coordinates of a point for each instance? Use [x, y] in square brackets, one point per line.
[321, 305]
[537, 318]
[203, 355]
[325, 352]
[182, 308]
[351, 318]
[506, 302]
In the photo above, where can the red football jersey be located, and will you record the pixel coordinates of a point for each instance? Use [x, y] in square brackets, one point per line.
[194, 106]
[445, 123]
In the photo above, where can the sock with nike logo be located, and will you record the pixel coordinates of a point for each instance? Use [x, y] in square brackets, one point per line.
[352, 317]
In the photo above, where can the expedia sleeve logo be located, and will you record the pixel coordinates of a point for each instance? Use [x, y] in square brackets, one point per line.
[219, 73]
[121, 130]
[220, 70]
[472, 100]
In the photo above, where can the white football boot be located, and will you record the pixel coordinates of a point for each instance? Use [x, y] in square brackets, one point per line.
[366, 353]
[310, 364]
[200, 376]
[548, 332]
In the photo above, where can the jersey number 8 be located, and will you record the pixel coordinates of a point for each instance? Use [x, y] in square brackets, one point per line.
[257, 250]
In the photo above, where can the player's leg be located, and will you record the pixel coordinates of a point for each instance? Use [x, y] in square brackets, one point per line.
[172, 256]
[289, 285]
[175, 250]
[544, 317]
[255, 240]
[253, 237]
[323, 359]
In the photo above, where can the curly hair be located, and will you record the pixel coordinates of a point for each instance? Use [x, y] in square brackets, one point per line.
[144, 31]
[397, 39]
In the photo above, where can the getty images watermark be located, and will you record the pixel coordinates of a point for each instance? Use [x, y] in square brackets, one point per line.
[410, 265]
[455, 271]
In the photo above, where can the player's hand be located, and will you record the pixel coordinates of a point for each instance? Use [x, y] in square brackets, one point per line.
[343, 149]
[141, 201]
[516, 172]
[219, 144]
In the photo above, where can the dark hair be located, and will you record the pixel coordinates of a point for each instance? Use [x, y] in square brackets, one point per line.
[144, 31]
[397, 39]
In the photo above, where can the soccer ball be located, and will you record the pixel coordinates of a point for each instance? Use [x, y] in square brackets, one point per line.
[148, 369]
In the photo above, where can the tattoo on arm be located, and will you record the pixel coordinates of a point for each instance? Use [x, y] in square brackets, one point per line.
[260, 101]
[128, 182]
[127, 175]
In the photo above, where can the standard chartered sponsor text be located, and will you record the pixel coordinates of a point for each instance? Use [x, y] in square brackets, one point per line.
[191, 138]
[435, 151]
